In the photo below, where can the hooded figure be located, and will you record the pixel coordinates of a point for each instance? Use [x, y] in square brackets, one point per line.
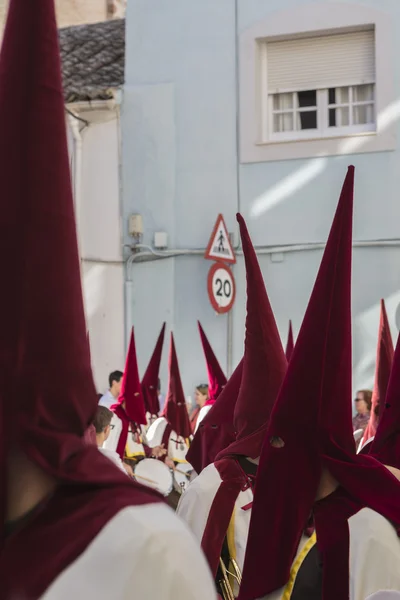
[150, 378]
[386, 444]
[216, 377]
[216, 431]
[172, 429]
[67, 512]
[289, 343]
[309, 466]
[384, 361]
[217, 504]
[129, 412]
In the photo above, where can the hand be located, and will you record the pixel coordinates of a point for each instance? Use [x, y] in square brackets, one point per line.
[170, 463]
[159, 451]
[128, 469]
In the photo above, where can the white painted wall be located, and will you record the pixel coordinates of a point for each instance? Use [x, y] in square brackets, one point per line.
[100, 239]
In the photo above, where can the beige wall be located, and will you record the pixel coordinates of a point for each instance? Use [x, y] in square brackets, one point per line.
[72, 12]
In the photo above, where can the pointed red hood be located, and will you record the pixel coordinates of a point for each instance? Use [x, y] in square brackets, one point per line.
[150, 378]
[264, 361]
[131, 391]
[289, 343]
[175, 410]
[216, 377]
[48, 398]
[384, 361]
[386, 445]
[216, 431]
[319, 380]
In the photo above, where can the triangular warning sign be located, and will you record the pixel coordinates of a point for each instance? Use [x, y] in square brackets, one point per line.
[219, 247]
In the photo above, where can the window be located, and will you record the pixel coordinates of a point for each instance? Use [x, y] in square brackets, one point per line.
[318, 87]
[334, 111]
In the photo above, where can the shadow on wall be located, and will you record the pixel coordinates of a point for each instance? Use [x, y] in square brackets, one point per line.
[315, 166]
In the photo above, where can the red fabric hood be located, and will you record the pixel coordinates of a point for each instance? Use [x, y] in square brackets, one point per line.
[264, 361]
[216, 377]
[150, 378]
[131, 391]
[48, 398]
[384, 361]
[386, 444]
[319, 381]
[175, 410]
[216, 431]
[289, 343]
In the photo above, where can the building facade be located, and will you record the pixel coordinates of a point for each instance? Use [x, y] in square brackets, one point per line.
[259, 107]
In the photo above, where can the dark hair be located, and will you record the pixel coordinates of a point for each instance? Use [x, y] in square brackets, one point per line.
[102, 419]
[115, 376]
[367, 397]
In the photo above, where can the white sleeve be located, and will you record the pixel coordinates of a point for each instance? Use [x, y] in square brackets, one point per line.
[201, 416]
[195, 504]
[155, 432]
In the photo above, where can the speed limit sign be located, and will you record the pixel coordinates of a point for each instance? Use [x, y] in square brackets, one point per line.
[221, 288]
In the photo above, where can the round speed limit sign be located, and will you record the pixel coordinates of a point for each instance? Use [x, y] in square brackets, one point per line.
[221, 288]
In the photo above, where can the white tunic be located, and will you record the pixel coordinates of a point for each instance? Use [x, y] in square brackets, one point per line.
[374, 557]
[107, 400]
[177, 445]
[195, 505]
[133, 449]
[143, 552]
[114, 457]
[203, 411]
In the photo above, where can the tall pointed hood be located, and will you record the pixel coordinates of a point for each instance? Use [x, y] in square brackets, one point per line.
[289, 343]
[131, 391]
[216, 431]
[319, 378]
[216, 377]
[384, 361]
[386, 444]
[150, 378]
[264, 361]
[48, 398]
[175, 410]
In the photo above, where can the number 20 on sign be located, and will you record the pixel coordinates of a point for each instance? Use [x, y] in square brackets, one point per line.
[221, 288]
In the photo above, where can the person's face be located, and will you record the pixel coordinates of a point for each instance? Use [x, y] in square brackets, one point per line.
[116, 387]
[200, 398]
[361, 405]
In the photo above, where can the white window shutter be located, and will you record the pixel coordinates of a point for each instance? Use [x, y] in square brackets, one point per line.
[320, 62]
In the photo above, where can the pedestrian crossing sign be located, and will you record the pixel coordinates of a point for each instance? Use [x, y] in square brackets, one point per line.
[219, 247]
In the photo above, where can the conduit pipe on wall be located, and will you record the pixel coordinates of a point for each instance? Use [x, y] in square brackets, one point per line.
[142, 252]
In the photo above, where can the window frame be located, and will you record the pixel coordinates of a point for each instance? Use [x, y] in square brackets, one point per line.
[322, 108]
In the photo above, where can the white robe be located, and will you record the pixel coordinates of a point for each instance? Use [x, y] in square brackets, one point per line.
[195, 505]
[144, 552]
[133, 449]
[176, 450]
[203, 411]
[114, 457]
[374, 557]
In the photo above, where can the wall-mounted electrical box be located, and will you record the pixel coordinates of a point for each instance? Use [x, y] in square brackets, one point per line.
[160, 240]
[135, 225]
